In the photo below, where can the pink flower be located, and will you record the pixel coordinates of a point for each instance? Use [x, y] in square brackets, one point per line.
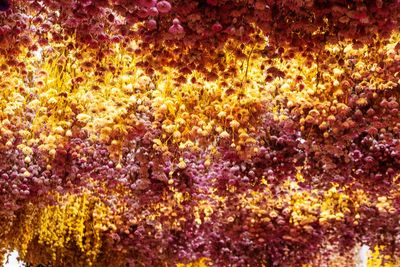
[176, 28]
[151, 24]
[153, 11]
[216, 27]
[164, 6]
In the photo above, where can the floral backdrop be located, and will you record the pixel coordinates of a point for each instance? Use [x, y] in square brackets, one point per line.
[199, 133]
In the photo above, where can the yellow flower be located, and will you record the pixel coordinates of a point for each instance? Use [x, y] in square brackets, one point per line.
[84, 118]
[181, 164]
[234, 124]
[224, 134]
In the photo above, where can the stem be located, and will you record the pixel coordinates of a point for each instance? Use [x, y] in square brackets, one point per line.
[247, 64]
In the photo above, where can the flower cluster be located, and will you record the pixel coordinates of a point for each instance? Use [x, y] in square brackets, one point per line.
[196, 31]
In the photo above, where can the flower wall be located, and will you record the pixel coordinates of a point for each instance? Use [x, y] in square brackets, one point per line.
[199, 133]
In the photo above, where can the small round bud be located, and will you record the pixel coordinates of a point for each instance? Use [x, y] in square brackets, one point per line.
[175, 21]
